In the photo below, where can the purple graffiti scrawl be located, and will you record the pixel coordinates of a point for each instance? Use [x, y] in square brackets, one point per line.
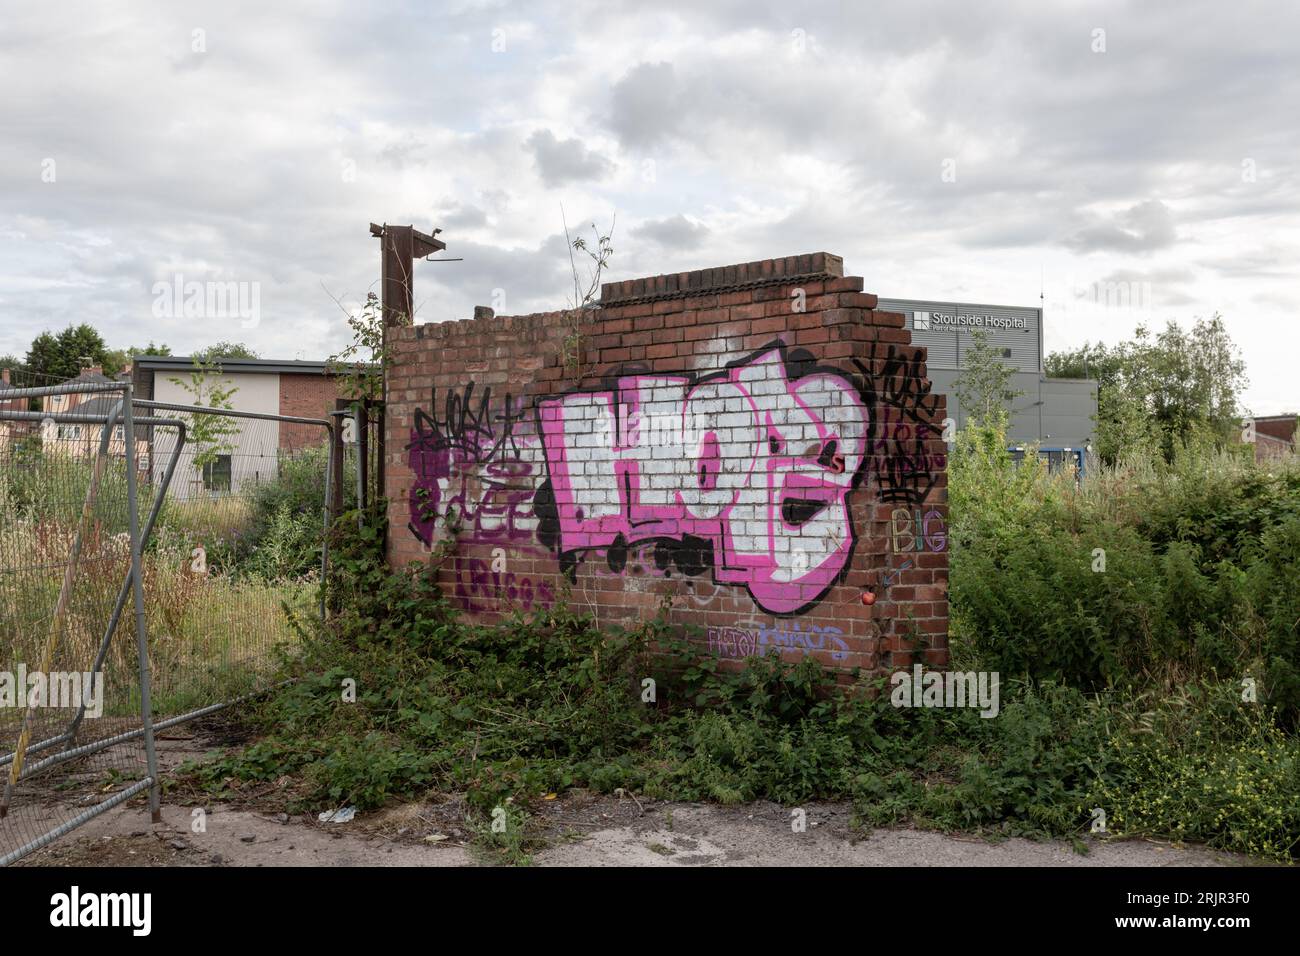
[474, 465]
[741, 642]
[745, 472]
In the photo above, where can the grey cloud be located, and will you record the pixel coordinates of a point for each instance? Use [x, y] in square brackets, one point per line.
[207, 171]
[1147, 226]
[520, 280]
[406, 151]
[565, 161]
[463, 216]
[1254, 264]
[644, 107]
[675, 232]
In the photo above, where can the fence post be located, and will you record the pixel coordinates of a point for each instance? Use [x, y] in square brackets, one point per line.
[137, 580]
[363, 453]
[381, 451]
[336, 459]
[358, 424]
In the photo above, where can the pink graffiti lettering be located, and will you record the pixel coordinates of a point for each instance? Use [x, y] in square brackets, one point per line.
[749, 461]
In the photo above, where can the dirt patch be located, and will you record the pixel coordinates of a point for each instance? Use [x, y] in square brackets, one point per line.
[232, 838]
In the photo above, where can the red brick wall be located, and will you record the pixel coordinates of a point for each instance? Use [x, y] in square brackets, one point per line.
[305, 396]
[756, 445]
[1275, 437]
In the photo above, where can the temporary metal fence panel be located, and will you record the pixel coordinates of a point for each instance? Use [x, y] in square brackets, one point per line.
[239, 553]
[73, 633]
[230, 556]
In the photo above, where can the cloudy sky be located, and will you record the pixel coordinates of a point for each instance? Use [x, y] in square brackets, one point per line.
[1132, 162]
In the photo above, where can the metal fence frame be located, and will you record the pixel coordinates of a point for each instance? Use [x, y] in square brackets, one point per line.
[330, 440]
[132, 585]
[15, 761]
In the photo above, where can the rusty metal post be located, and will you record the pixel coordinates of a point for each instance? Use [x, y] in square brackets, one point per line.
[363, 454]
[399, 247]
[337, 454]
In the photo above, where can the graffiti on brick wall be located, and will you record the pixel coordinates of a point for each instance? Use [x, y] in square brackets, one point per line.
[916, 531]
[474, 465]
[899, 454]
[743, 474]
[741, 642]
[478, 587]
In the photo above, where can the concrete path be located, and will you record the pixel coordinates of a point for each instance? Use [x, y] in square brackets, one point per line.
[579, 830]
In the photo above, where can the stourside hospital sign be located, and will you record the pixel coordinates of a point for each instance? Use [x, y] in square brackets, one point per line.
[927, 321]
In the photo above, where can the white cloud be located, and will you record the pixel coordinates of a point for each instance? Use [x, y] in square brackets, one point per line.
[718, 130]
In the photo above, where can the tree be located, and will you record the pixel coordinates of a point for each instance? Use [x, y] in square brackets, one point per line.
[209, 434]
[55, 358]
[116, 360]
[361, 367]
[225, 350]
[1158, 392]
[984, 385]
[1095, 362]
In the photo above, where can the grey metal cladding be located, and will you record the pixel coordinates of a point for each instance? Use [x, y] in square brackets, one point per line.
[1051, 411]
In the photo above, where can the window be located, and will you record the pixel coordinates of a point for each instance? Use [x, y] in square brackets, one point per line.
[69, 431]
[216, 474]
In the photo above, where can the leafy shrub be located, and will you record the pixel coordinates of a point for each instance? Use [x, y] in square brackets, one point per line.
[1204, 767]
[548, 701]
[1197, 560]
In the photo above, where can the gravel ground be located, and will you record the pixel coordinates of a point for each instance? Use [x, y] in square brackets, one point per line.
[580, 830]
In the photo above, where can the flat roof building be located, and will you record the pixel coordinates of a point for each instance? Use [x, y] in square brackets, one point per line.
[1054, 412]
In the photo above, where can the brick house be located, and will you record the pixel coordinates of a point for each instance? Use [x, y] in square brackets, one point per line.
[11, 431]
[1275, 436]
[269, 386]
[78, 440]
[90, 375]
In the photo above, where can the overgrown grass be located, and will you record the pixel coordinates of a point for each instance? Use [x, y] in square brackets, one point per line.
[213, 628]
[1158, 689]
[547, 702]
[1144, 575]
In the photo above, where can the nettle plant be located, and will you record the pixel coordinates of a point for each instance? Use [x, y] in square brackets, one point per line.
[585, 290]
[210, 435]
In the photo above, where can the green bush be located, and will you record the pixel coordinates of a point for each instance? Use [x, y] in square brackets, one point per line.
[1202, 766]
[1201, 561]
[273, 532]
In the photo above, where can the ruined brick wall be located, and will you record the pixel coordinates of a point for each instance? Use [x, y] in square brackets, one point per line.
[756, 444]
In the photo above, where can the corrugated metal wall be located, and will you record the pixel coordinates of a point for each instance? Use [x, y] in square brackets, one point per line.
[1051, 411]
